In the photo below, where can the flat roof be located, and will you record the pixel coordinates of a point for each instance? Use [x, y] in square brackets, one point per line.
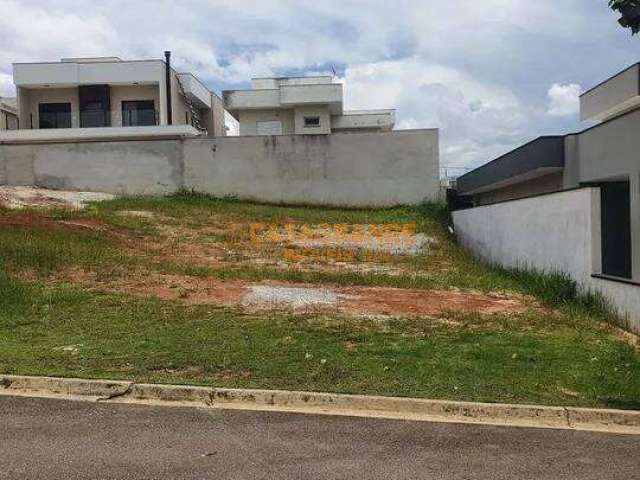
[90, 59]
[540, 153]
[609, 78]
[291, 78]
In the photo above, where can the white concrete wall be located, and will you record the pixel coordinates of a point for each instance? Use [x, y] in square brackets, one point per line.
[360, 170]
[370, 169]
[213, 119]
[97, 73]
[558, 232]
[373, 119]
[251, 99]
[199, 94]
[311, 94]
[274, 83]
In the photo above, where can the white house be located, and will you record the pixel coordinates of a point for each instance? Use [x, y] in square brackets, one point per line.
[300, 105]
[80, 93]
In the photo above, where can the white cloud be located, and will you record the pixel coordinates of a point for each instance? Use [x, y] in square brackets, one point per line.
[477, 70]
[477, 121]
[6, 85]
[564, 100]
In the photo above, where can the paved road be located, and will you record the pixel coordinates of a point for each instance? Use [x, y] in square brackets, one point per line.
[63, 439]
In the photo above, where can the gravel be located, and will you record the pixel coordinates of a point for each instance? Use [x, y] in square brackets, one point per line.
[23, 197]
[294, 297]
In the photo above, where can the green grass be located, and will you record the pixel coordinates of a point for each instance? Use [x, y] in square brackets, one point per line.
[66, 332]
[534, 357]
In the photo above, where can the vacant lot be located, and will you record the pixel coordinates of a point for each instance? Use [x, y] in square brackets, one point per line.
[189, 289]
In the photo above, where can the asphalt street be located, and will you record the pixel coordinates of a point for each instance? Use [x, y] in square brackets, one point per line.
[52, 439]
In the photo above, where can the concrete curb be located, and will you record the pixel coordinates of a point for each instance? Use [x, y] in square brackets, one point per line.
[613, 421]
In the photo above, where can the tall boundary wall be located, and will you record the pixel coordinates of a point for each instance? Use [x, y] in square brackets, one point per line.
[361, 169]
[557, 232]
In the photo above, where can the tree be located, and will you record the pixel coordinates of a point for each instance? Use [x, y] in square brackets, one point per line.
[630, 11]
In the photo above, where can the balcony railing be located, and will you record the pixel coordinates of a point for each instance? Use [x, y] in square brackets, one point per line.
[96, 119]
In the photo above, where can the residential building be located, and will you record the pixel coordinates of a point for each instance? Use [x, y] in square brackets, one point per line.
[300, 105]
[78, 93]
[606, 155]
[8, 114]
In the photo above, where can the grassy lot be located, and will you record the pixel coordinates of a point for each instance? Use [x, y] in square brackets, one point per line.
[563, 350]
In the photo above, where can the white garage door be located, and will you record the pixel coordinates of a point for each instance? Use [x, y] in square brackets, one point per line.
[269, 128]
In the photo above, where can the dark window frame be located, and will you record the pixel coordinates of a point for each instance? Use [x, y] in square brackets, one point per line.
[615, 229]
[54, 115]
[147, 120]
[312, 122]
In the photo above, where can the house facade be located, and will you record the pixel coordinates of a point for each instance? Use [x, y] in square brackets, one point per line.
[299, 106]
[80, 93]
[606, 156]
[8, 114]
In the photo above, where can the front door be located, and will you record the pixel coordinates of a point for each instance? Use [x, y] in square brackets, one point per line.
[94, 106]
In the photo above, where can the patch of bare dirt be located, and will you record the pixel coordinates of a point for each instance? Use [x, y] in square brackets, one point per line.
[38, 221]
[255, 296]
[393, 301]
[187, 289]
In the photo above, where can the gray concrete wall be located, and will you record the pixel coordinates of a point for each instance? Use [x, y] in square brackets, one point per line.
[369, 169]
[558, 232]
[366, 169]
[125, 167]
[612, 96]
[610, 151]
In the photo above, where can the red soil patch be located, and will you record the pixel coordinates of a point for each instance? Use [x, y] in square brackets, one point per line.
[190, 290]
[351, 300]
[37, 221]
[393, 301]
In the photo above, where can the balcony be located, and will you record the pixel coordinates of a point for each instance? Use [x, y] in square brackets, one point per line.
[235, 100]
[354, 119]
[612, 97]
[196, 91]
[318, 94]
[68, 74]
[64, 135]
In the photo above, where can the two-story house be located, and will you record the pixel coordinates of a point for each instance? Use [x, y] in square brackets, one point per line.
[77, 93]
[298, 106]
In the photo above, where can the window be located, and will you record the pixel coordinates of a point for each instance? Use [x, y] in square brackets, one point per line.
[616, 229]
[138, 113]
[311, 122]
[94, 101]
[54, 115]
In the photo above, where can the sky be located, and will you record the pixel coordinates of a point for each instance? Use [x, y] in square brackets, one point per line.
[490, 74]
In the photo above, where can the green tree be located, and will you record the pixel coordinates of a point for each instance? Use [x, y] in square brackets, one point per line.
[630, 13]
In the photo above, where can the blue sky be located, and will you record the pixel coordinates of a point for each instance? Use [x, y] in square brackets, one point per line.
[491, 74]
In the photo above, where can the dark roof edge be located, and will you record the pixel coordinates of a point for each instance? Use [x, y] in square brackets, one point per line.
[510, 152]
[571, 134]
